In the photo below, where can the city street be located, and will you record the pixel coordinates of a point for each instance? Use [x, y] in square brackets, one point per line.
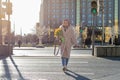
[81, 67]
[30, 37]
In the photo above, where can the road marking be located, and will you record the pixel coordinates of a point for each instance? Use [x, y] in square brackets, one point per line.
[45, 62]
[51, 73]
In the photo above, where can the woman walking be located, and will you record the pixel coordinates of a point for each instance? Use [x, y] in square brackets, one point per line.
[67, 41]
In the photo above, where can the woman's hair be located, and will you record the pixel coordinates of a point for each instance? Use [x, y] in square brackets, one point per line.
[67, 21]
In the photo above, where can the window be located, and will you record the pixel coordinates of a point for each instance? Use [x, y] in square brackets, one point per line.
[89, 21]
[48, 22]
[54, 16]
[72, 22]
[83, 10]
[67, 16]
[63, 16]
[48, 16]
[89, 16]
[67, 11]
[110, 3]
[83, 16]
[99, 21]
[110, 15]
[72, 16]
[110, 9]
[54, 10]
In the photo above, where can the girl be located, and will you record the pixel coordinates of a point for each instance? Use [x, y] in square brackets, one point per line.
[69, 41]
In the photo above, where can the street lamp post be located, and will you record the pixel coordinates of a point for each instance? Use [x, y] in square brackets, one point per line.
[112, 32]
[103, 30]
[9, 29]
[9, 12]
[0, 22]
[81, 38]
[103, 33]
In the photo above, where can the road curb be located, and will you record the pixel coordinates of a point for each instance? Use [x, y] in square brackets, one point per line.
[81, 49]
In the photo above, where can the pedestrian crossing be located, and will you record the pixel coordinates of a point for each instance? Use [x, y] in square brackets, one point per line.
[38, 68]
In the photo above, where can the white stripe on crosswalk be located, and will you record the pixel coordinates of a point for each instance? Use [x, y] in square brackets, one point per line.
[45, 62]
[51, 73]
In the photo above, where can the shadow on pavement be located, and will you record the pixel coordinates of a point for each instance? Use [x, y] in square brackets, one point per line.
[3, 57]
[112, 58]
[7, 71]
[20, 75]
[7, 74]
[75, 75]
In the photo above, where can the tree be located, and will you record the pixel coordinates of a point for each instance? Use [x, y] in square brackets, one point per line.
[41, 31]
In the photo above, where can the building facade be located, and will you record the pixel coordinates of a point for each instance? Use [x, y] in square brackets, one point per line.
[119, 16]
[105, 17]
[53, 12]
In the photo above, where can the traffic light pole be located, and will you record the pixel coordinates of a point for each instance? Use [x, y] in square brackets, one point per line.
[93, 32]
[94, 8]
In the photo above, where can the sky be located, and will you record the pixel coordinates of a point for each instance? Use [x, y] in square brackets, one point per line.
[25, 15]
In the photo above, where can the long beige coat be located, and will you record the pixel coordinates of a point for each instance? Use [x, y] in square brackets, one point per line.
[70, 40]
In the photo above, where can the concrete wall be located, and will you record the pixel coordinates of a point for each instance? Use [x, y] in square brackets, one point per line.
[107, 51]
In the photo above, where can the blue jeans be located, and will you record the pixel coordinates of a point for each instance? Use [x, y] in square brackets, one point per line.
[65, 61]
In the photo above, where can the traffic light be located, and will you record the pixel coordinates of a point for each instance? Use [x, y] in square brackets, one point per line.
[94, 6]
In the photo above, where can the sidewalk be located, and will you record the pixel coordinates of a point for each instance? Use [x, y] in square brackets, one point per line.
[33, 48]
[81, 48]
[24, 48]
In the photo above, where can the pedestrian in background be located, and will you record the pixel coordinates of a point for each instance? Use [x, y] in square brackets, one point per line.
[69, 41]
[88, 41]
[19, 43]
[110, 41]
[116, 40]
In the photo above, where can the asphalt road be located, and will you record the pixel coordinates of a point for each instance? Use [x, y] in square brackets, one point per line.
[49, 68]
